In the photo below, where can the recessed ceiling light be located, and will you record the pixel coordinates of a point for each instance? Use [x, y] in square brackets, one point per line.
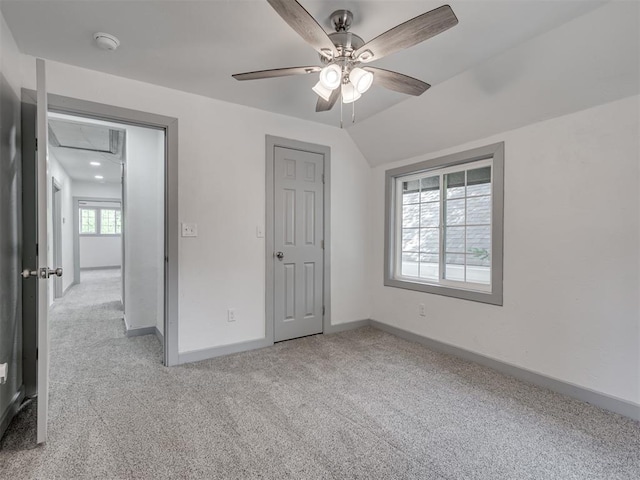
[95, 164]
[99, 177]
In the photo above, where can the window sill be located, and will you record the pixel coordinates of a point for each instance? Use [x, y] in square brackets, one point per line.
[492, 298]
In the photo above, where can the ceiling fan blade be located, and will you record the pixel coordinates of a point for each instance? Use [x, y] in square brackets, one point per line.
[397, 81]
[276, 72]
[324, 105]
[407, 34]
[305, 25]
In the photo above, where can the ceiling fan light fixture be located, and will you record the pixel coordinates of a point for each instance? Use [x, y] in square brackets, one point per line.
[331, 76]
[361, 79]
[322, 92]
[349, 93]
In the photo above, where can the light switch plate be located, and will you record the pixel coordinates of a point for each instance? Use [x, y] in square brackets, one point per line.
[259, 232]
[189, 229]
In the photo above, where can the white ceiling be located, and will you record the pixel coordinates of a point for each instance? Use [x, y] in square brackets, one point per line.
[195, 46]
[86, 136]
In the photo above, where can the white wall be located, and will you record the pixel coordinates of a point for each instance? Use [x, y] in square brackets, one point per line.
[57, 172]
[97, 190]
[144, 228]
[222, 149]
[100, 252]
[571, 256]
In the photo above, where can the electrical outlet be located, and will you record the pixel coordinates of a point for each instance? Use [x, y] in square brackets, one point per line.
[259, 232]
[421, 310]
[189, 229]
[231, 315]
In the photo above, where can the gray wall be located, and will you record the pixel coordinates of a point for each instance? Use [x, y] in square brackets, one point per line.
[10, 230]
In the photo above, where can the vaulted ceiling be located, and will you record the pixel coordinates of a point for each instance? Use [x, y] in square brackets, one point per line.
[524, 56]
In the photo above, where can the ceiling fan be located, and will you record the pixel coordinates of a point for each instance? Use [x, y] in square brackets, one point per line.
[345, 56]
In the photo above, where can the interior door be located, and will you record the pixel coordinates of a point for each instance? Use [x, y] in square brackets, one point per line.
[299, 249]
[40, 273]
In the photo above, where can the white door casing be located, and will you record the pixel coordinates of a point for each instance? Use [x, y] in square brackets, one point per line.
[298, 243]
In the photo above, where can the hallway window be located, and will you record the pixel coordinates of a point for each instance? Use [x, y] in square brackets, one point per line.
[110, 222]
[100, 221]
[88, 221]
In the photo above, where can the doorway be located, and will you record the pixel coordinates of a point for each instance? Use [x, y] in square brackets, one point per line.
[168, 239]
[297, 246]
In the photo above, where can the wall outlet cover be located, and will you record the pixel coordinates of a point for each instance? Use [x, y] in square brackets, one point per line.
[189, 229]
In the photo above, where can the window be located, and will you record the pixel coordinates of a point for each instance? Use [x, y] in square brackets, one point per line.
[444, 225]
[110, 222]
[88, 221]
[100, 221]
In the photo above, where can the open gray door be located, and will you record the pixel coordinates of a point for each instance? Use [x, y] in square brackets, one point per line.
[298, 227]
[40, 273]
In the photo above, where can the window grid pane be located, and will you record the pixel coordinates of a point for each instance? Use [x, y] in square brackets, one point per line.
[110, 222]
[420, 227]
[87, 221]
[467, 225]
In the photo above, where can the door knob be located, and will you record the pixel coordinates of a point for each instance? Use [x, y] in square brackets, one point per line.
[43, 273]
[279, 255]
[26, 273]
[56, 271]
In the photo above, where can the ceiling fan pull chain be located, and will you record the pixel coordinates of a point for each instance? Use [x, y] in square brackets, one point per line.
[340, 112]
[353, 112]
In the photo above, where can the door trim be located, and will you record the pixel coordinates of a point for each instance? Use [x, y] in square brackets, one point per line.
[85, 108]
[271, 143]
[56, 215]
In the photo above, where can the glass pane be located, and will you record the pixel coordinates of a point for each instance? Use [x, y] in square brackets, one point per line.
[411, 192]
[430, 189]
[429, 240]
[87, 221]
[454, 267]
[107, 222]
[454, 237]
[410, 240]
[429, 266]
[411, 215]
[454, 183]
[454, 212]
[409, 267]
[478, 274]
[430, 214]
[479, 181]
[479, 210]
[479, 240]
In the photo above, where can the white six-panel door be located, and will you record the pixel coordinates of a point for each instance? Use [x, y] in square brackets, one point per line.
[298, 255]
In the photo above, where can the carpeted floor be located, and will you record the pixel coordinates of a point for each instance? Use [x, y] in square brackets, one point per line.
[360, 404]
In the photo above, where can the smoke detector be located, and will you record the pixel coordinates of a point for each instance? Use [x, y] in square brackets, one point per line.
[106, 41]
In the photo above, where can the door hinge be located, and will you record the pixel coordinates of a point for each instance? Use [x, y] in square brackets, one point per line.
[37, 351]
[36, 144]
[323, 310]
[323, 178]
[322, 244]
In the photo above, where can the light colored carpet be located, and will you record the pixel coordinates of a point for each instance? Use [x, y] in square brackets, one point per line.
[357, 405]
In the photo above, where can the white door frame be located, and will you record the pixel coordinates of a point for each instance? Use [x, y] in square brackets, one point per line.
[271, 143]
[56, 216]
[84, 108]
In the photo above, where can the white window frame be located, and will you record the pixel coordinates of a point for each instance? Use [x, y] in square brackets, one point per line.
[98, 211]
[480, 157]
